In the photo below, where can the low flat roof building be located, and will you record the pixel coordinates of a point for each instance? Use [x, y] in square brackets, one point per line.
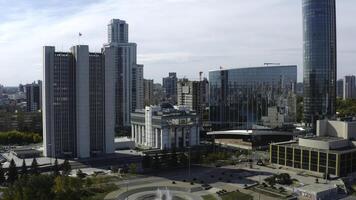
[26, 153]
[317, 192]
[250, 139]
[331, 152]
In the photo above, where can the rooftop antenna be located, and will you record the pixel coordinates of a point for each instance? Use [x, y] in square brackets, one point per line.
[79, 35]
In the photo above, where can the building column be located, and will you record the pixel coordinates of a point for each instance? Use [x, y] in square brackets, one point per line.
[157, 138]
[184, 137]
[176, 137]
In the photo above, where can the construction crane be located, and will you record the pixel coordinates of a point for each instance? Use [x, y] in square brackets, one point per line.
[268, 64]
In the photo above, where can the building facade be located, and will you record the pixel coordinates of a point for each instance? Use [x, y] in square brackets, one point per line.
[170, 87]
[340, 88]
[319, 25]
[350, 87]
[240, 97]
[331, 152]
[162, 127]
[148, 92]
[33, 96]
[77, 101]
[129, 75]
[193, 94]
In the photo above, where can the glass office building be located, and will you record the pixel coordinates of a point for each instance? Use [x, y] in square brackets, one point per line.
[319, 24]
[240, 97]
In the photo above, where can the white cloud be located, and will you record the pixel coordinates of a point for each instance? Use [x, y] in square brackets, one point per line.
[186, 36]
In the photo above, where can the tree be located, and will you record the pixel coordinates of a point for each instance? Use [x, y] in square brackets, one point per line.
[183, 159]
[24, 171]
[2, 175]
[56, 168]
[157, 162]
[34, 167]
[146, 162]
[66, 168]
[33, 187]
[132, 168]
[173, 160]
[12, 173]
[80, 174]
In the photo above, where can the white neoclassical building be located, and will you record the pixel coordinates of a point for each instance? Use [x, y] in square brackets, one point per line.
[165, 127]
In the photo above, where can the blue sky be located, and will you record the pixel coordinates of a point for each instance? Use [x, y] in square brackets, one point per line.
[186, 36]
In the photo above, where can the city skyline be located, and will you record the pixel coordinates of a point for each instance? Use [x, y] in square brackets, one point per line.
[207, 40]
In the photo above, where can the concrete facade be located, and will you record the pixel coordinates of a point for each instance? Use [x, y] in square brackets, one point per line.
[160, 128]
[77, 92]
[332, 128]
[128, 74]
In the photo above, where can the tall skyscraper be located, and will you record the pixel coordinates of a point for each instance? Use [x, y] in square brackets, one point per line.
[319, 33]
[78, 97]
[129, 75]
[350, 87]
[340, 88]
[170, 87]
[148, 90]
[33, 96]
[240, 97]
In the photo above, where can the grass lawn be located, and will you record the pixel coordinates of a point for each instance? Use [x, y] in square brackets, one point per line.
[208, 197]
[236, 195]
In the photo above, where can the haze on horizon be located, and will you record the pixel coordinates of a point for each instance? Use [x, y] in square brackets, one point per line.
[185, 36]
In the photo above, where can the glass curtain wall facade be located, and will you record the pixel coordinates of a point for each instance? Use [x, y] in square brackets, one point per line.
[240, 97]
[319, 24]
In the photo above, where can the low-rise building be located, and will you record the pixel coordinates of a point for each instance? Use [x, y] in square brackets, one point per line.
[317, 192]
[165, 127]
[330, 153]
[250, 139]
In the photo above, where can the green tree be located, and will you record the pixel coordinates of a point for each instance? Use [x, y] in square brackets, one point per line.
[80, 174]
[132, 168]
[56, 168]
[66, 168]
[34, 167]
[183, 159]
[66, 187]
[173, 160]
[157, 162]
[33, 187]
[146, 162]
[12, 173]
[2, 175]
[24, 171]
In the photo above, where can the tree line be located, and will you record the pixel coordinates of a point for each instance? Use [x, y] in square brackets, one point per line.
[19, 138]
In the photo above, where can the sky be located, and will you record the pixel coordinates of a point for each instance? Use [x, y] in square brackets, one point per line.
[185, 36]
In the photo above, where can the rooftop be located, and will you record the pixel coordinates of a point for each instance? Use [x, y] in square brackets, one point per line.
[258, 67]
[316, 188]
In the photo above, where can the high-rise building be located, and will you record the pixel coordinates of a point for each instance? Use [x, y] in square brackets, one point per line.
[193, 95]
[129, 75]
[350, 87]
[33, 96]
[78, 97]
[148, 90]
[1, 90]
[340, 88]
[170, 87]
[158, 93]
[240, 97]
[319, 33]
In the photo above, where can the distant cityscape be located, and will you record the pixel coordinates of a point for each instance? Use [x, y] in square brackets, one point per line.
[213, 137]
